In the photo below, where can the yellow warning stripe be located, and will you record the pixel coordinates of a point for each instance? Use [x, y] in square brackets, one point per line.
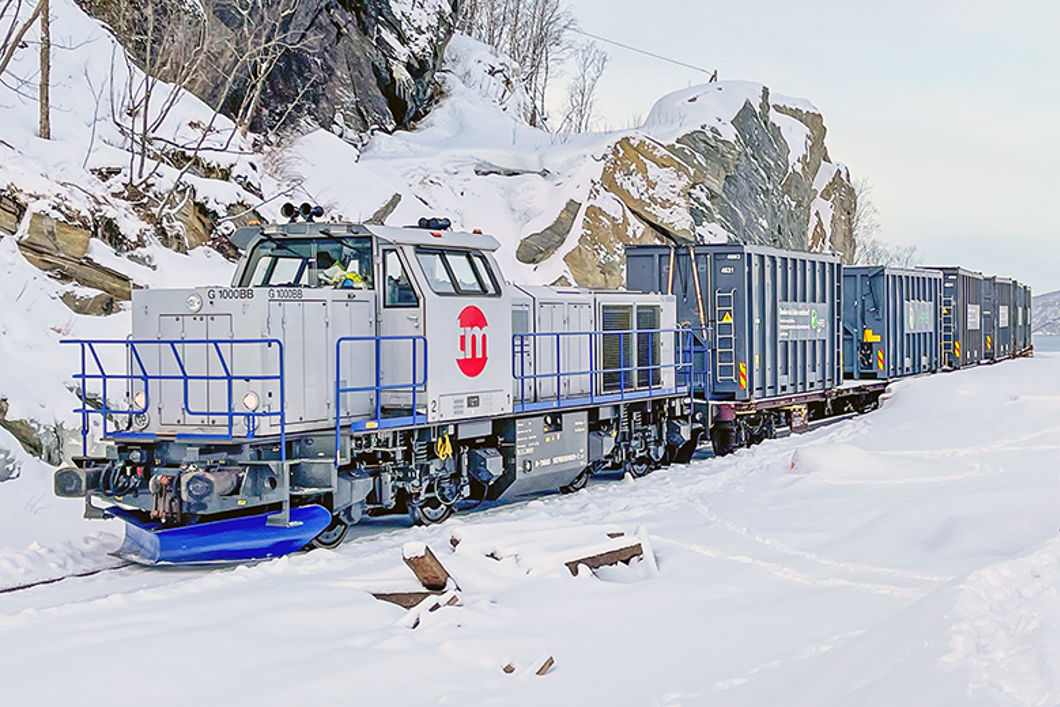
[743, 375]
[957, 349]
[879, 360]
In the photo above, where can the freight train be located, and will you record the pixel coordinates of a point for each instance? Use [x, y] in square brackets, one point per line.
[353, 370]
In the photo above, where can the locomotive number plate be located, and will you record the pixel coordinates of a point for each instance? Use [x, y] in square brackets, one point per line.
[230, 293]
[285, 293]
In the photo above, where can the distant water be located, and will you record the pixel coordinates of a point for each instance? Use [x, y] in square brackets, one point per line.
[1043, 342]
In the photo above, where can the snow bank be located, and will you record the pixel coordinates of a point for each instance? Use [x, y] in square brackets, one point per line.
[909, 558]
[44, 537]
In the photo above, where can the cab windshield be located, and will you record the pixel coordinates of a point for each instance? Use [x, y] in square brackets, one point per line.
[339, 262]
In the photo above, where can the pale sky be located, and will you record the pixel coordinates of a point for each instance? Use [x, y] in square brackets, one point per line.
[950, 109]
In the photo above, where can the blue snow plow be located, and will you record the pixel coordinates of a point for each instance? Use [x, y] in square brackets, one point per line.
[241, 539]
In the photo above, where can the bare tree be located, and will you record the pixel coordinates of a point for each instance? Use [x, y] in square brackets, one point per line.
[869, 248]
[12, 40]
[225, 51]
[589, 64]
[45, 70]
[532, 32]
[864, 224]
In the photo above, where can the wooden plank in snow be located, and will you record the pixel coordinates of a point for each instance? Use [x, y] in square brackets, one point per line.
[611, 557]
[426, 567]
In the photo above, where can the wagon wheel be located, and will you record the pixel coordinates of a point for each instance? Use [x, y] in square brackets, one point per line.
[332, 536]
[641, 466]
[429, 511]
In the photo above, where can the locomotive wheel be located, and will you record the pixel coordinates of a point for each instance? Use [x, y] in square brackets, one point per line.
[429, 511]
[332, 536]
[641, 466]
[579, 481]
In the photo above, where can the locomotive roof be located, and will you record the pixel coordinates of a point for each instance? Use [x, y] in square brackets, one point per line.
[245, 237]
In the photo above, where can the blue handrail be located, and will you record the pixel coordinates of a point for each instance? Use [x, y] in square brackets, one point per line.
[141, 373]
[416, 384]
[684, 365]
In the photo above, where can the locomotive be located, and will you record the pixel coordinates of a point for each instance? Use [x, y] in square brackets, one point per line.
[355, 370]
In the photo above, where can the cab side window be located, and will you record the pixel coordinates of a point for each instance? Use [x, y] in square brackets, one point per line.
[457, 272]
[486, 273]
[399, 290]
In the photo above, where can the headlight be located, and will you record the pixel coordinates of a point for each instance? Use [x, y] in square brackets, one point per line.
[194, 303]
[141, 421]
[250, 400]
[139, 400]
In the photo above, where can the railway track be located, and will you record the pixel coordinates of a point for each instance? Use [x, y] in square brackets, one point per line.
[56, 580]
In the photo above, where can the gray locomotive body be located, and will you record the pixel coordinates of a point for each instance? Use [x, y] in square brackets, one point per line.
[371, 370]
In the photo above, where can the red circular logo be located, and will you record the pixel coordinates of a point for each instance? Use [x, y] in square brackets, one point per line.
[472, 357]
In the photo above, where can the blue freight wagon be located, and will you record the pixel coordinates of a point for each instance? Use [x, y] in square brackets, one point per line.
[890, 321]
[1021, 327]
[774, 315]
[772, 320]
[989, 316]
[1003, 287]
[962, 322]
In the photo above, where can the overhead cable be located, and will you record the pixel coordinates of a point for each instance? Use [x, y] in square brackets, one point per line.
[645, 52]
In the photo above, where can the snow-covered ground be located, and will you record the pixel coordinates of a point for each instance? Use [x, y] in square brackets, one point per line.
[909, 556]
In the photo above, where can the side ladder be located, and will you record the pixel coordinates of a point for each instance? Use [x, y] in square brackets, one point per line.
[725, 335]
[947, 330]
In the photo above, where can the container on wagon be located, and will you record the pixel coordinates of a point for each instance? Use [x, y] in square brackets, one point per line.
[961, 321]
[891, 324]
[773, 316]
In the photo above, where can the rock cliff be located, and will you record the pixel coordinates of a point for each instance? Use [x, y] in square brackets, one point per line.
[691, 175]
[352, 65]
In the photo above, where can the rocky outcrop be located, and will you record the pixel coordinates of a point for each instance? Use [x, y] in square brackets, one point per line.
[60, 249]
[350, 65]
[11, 212]
[539, 246]
[738, 180]
[370, 62]
[608, 225]
[379, 217]
[831, 227]
[43, 442]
